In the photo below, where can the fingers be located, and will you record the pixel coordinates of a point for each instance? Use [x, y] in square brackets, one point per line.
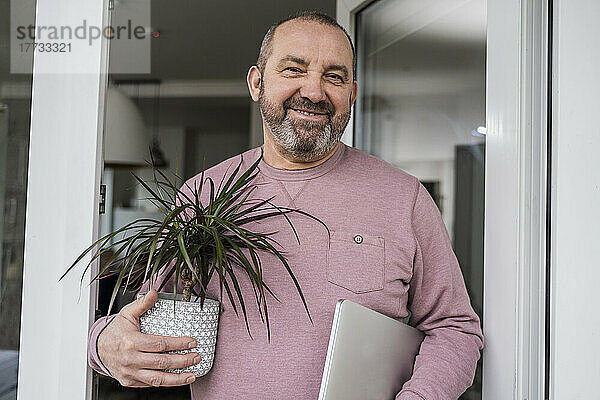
[137, 368]
[142, 304]
[160, 344]
[132, 383]
[159, 378]
[167, 361]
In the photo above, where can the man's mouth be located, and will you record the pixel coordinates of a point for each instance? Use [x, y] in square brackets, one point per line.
[308, 113]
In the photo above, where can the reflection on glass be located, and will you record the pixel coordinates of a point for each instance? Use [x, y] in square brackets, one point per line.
[15, 106]
[421, 72]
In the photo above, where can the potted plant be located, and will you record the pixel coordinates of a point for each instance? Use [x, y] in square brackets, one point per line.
[194, 243]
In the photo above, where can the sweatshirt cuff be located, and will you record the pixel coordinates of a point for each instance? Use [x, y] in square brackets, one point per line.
[93, 357]
[409, 394]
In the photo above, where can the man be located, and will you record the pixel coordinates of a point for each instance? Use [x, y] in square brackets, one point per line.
[388, 249]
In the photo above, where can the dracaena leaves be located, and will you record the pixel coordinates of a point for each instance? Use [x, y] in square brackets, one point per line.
[197, 241]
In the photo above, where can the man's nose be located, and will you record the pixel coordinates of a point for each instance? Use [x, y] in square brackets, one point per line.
[312, 88]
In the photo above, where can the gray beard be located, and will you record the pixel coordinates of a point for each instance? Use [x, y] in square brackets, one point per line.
[303, 140]
[304, 147]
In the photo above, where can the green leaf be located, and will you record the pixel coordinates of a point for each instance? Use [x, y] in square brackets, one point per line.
[212, 242]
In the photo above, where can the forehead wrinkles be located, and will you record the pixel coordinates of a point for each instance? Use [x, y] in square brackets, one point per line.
[316, 43]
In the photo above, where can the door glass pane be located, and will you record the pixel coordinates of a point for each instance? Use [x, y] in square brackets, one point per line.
[15, 106]
[421, 74]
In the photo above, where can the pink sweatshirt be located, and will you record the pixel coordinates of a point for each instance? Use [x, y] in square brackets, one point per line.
[404, 262]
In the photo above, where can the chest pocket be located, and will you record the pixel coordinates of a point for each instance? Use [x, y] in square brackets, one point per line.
[355, 261]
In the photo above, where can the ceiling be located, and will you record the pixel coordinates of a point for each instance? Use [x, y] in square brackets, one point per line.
[215, 40]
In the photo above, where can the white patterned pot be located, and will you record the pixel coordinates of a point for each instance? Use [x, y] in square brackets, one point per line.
[186, 319]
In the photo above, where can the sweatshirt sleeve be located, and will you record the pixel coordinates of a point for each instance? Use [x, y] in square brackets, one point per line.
[440, 307]
[93, 358]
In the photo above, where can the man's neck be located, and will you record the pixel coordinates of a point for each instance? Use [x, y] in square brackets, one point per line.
[274, 157]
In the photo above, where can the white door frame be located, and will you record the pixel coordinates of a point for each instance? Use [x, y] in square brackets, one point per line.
[65, 164]
[575, 322]
[516, 187]
[515, 199]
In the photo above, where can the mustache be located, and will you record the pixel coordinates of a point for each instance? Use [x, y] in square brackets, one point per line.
[322, 107]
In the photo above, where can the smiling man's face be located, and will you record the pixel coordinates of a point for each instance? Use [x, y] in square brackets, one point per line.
[307, 89]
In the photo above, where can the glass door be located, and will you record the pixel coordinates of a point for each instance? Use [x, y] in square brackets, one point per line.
[421, 107]
[435, 76]
[15, 114]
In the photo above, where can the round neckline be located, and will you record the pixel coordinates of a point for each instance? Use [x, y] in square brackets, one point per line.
[301, 174]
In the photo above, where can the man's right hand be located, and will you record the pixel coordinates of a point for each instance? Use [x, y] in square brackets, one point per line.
[135, 359]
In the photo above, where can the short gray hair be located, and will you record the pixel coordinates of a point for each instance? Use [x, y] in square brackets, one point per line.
[266, 46]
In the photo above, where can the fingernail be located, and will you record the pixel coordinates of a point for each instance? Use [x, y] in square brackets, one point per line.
[191, 379]
[197, 359]
[192, 344]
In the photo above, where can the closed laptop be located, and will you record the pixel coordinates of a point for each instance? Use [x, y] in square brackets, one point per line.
[370, 355]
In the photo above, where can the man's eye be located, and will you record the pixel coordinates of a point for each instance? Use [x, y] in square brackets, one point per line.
[293, 69]
[335, 77]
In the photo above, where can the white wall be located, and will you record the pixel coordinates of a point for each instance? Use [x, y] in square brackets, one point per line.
[429, 127]
[575, 331]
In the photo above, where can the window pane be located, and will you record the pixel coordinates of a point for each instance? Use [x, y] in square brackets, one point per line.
[421, 74]
[15, 106]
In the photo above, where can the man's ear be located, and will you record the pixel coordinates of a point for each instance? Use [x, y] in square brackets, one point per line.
[253, 80]
[354, 93]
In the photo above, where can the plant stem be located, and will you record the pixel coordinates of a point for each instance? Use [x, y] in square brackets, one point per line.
[188, 282]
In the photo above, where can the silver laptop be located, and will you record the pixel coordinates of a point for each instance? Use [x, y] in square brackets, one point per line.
[370, 356]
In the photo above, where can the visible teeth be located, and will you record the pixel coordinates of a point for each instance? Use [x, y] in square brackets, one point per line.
[305, 113]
